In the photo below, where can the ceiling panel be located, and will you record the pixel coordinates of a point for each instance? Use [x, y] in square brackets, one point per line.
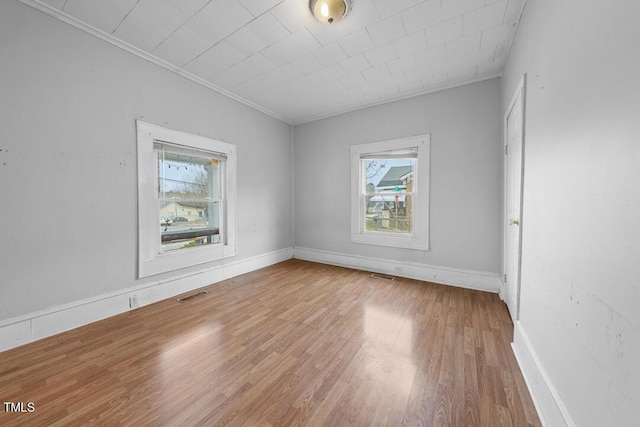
[275, 56]
[182, 46]
[149, 23]
[105, 16]
[421, 16]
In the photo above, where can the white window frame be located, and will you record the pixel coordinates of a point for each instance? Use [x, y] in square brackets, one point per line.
[419, 239]
[151, 260]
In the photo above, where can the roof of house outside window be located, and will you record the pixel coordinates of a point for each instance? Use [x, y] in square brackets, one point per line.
[394, 176]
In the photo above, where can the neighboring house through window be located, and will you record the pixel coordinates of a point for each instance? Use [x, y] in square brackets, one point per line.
[390, 193]
[186, 199]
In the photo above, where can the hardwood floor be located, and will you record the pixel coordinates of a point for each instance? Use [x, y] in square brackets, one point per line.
[297, 343]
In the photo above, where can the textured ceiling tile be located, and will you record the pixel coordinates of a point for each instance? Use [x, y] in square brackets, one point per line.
[246, 41]
[272, 78]
[386, 31]
[215, 60]
[251, 87]
[411, 44]
[149, 23]
[377, 73]
[442, 33]
[268, 29]
[307, 64]
[488, 68]
[189, 7]
[419, 74]
[327, 34]
[208, 28]
[434, 81]
[402, 65]
[245, 70]
[332, 72]
[293, 14]
[289, 72]
[301, 43]
[410, 86]
[181, 47]
[422, 16]
[388, 8]
[498, 35]
[454, 8]
[355, 63]
[482, 19]
[278, 53]
[478, 58]
[353, 79]
[356, 43]
[227, 14]
[351, 95]
[362, 14]
[380, 54]
[457, 71]
[464, 46]
[103, 15]
[382, 89]
[431, 56]
[330, 54]
[258, 63]
[441, 71]
[234, 75]
[258, 7]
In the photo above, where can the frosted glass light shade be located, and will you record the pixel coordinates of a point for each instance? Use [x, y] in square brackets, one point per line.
[329, 11]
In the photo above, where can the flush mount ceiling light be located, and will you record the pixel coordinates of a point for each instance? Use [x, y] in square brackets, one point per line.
[329, 11]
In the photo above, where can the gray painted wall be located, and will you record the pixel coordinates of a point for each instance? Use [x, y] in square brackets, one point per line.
[68, 104]
[466, 173]
[581, 227]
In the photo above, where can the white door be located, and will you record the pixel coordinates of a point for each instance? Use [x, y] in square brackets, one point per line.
[514, 127]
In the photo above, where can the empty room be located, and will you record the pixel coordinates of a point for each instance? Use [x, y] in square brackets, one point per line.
[320, 213]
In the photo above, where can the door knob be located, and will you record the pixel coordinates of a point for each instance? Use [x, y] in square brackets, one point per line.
[514, 222]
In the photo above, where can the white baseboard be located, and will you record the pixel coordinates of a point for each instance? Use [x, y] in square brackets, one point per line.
[478, 280]
[550, 407]
[25, 329]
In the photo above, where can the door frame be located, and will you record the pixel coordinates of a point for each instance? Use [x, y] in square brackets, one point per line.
[519, 95]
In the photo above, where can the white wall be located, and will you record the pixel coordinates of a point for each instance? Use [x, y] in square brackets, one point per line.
[465, 193]
[68, 104]
[579, 333]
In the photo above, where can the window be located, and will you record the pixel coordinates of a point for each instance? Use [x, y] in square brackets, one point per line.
[186, 199]
[189, 178]
[390, 193]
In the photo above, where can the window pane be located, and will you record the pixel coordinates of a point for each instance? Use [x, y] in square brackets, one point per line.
[390, 215]
[388, 194]
[186, 225]
[189, 199]
[188, 177]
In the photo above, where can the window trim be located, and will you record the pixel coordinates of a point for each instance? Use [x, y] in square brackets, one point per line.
[150, 260]
[420, 238]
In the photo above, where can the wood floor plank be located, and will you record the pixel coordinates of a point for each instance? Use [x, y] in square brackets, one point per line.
[297, 343]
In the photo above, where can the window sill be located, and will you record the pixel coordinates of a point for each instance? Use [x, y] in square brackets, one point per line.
[384, 239]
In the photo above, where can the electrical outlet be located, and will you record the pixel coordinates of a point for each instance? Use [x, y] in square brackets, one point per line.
[133, 301]
[398, 269]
